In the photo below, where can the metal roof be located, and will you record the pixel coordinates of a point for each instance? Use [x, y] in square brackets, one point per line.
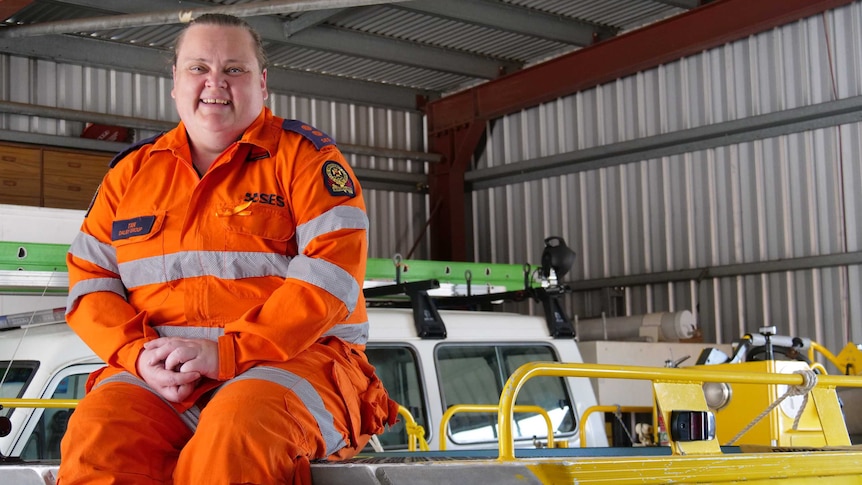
[383, 53]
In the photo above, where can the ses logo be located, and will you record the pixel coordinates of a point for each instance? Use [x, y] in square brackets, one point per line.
[271, 199]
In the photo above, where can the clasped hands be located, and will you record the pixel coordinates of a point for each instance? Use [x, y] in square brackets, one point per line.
[172, 366]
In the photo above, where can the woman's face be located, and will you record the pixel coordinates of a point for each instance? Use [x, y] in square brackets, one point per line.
[218, 84]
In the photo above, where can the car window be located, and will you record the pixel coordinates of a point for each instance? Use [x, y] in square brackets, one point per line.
[14, 379]
[44, 441]
[398, 370]
[475, 374]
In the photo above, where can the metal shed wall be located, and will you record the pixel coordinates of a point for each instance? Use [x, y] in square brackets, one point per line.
[738, 206]
[397, 218]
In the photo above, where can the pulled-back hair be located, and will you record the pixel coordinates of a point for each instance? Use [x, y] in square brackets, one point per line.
[224, 20]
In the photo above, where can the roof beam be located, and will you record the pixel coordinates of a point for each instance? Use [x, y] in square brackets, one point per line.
[274, 30]
[145, 60]
[666, 41]
[525, 21]
[403, 52]
[309, 19]
[177, 16]
[686, 4]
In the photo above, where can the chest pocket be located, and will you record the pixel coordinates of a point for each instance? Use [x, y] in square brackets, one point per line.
[257, 221]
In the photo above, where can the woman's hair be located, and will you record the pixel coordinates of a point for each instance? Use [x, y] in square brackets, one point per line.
[220, 19]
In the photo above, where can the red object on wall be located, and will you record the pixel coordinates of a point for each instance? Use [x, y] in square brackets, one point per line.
[106, 132]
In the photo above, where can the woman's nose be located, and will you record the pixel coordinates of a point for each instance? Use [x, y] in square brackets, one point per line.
[216, 79]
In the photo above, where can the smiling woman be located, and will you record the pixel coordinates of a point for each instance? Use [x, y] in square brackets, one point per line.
[226, 254]
[219, 86]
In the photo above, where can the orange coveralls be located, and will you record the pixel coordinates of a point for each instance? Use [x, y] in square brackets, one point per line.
[265, 253]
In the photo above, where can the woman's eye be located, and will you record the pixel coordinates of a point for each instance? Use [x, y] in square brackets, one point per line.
[234, 70]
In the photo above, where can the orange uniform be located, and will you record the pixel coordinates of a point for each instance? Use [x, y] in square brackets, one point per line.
[265, 254]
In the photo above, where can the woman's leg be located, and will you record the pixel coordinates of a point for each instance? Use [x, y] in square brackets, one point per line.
[121, 434]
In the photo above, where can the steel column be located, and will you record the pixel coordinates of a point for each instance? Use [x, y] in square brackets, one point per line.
[446, 189]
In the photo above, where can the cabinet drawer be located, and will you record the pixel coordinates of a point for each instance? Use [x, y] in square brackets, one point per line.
[71, 179]
[20, 172]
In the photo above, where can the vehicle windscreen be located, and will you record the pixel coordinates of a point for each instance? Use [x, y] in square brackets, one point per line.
[14, 378]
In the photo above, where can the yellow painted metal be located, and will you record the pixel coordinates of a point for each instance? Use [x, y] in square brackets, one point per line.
[415, 433]
[491, 408]
[38, 403]
[820, 423]
[683, 396]
[831, 417]
[732, 374]
[582, 432]
[795, 468]
[849, 360]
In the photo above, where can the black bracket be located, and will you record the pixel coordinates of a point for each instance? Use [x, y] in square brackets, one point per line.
[559, 325]
[429, 324]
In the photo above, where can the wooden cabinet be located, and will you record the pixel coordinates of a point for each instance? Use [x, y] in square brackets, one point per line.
[50, 177]
[70, 179]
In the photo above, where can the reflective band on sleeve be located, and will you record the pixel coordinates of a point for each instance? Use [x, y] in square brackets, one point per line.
[90, 249]
[207, 333]
[354, 333]
[191, 417]
[309, 397]
[190, 264]
[92, 285]
[339, 217]
[329, 277]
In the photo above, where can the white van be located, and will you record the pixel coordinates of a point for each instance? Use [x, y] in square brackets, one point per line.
[425, 375]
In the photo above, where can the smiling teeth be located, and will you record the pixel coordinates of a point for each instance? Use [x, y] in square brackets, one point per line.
[215, 101]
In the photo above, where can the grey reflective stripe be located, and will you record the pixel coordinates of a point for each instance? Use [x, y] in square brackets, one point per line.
[339, 217]
[354, 333]
[191, 417]
[190, 264]
[91, 249]
[309, 397]
[93, 285]
[325, 275]
[208, 333]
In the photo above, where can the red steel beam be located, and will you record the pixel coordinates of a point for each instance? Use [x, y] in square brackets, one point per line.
[11, 7]
[698, 29]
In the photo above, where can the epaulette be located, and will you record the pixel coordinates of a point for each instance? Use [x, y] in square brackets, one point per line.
[312, 134]
[134, 147]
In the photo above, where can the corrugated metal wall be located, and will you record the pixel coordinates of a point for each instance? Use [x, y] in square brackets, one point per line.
[787, 196]
[397, 218]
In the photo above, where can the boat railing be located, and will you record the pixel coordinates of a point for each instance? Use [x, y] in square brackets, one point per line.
[492, 408]
[615, 409]
[679, 390]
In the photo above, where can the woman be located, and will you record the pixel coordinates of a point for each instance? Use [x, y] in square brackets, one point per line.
[219, 275]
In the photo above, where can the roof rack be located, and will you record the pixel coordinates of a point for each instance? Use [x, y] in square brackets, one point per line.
[40, 268]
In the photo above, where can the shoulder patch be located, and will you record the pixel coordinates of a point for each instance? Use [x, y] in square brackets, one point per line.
[312, 134]
[136, 146]
[337, 180]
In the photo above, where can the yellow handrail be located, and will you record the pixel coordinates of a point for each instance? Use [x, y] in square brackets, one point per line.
[415, 432]
[38, 403]
[826, 353]
[582, 432]
[527, 371]
[492, 408]
[848, 361]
